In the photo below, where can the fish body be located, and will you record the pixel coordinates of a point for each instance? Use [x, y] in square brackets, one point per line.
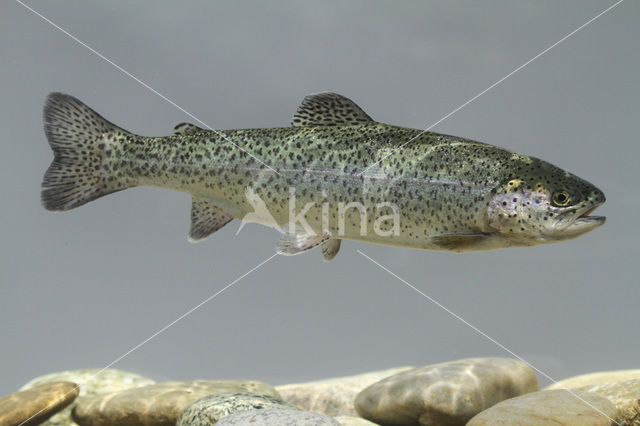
[335, 174]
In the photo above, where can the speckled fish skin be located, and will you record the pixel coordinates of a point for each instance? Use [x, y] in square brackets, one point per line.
[452, 193]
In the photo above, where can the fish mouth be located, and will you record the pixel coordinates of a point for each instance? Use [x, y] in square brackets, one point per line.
[584, 223]
[586, 218]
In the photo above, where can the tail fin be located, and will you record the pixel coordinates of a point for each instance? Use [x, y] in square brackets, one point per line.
[76, 135]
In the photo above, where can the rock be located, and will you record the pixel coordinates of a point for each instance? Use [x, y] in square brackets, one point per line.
[445, 394]
[210, 409]
[91, 383]
[159, 404]
[353, 421]
[592, 379]
[277, 417]
[33, 406]
[625, 395]
[549, 407]
[333, 397]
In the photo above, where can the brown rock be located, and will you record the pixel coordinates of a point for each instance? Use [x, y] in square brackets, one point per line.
[593, 379]
[333, 397]
[159, 404]
[445, 394]
[550, 407]
[93, 381]
[33, 406]
[625, 395]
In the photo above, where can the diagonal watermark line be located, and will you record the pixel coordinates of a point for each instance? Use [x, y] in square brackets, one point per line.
[493, 85]
[127, 73]
[482, 333]
[163, 329]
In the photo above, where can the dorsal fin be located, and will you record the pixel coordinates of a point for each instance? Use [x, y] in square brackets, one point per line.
[186, 129]
[329, 109]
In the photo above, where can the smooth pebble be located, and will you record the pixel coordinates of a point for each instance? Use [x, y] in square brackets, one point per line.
[449, 393]
[333, 397]
[33, 406]
[558, 407]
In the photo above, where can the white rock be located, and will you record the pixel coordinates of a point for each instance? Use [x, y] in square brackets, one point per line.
[277, 417]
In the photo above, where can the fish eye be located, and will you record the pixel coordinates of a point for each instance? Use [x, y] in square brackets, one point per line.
[561, 198]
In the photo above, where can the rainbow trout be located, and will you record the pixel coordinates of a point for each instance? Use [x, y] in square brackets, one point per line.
[334, 174]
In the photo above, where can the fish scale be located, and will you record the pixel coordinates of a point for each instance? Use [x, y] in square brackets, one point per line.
[352, 177]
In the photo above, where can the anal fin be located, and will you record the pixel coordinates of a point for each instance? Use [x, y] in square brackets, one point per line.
[205, 220]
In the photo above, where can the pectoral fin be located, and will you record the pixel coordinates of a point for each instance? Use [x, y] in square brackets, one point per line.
[295, 243]
[330, 249]
[205, 220]
[458, 242]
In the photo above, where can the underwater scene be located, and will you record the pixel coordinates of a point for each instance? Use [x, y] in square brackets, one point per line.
[327, 213]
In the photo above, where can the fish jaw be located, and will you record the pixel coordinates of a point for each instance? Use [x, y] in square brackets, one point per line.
[576, 223]
[585, 224]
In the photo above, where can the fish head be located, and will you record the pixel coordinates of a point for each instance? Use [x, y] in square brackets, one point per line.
[543, 204]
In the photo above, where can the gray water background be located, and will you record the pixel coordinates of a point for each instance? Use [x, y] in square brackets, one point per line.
[79, 289]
